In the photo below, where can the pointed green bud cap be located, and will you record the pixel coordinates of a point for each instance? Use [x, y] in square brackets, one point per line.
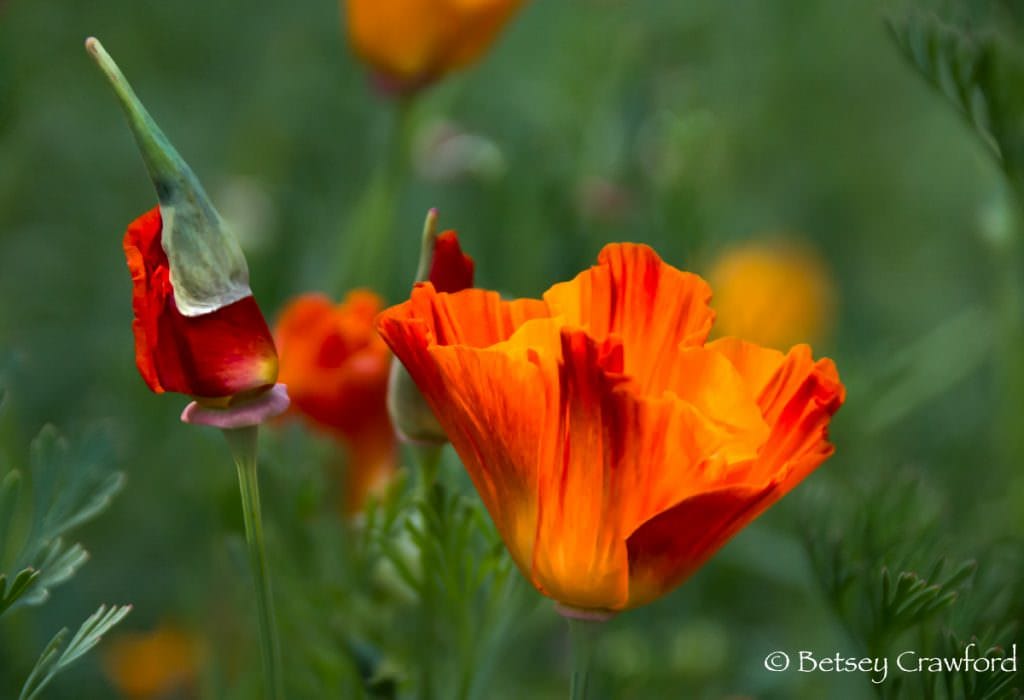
[427, 241]
[207, 267]
[409, 412]
[444, 265]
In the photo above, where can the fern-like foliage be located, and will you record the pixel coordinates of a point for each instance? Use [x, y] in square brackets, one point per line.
[21, 583]
[883, 569]
[908, 598]
[962, 683]
[69, 488]
[980, 70]
[440, 550]
[58, 656]
[877, 564]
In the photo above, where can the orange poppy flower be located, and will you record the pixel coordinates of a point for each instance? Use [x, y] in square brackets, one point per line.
[336, 369]
[410, 43]
[613, 448]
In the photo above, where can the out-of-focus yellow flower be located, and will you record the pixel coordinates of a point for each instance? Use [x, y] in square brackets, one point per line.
[410, 43]
[775, 294]
[151, 665]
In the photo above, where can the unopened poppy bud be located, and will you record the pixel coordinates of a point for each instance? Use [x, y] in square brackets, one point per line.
[207, 267]
[447, 269]
[198, 330]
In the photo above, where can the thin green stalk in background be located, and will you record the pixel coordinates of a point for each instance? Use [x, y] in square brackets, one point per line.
[1010, 305]
[1001, 231]
[368, 234]
[243, 443]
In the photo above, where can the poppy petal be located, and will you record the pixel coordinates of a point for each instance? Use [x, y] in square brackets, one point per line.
[799, 440]
[497, 409]
[662, 451]
[707, 380]
[451, 270]
[756, 364]
[482, 20]
[472, 317]
[579, 556]
[216, 356]
[489, 396]
[653, 307]
[798, 397]
[334, 364]
[670, 547]
[413, 43]
[226, 353]
[143, 252]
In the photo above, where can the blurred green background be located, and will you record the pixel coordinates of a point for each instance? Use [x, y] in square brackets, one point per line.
[712, 124]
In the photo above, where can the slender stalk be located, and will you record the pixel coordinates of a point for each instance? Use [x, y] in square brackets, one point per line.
[582, 633]
[428, 458]
[369, 230]
[243, 448]
[1002, 227]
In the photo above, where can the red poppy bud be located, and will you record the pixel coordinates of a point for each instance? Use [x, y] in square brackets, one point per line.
[451, 270]
[198, 330]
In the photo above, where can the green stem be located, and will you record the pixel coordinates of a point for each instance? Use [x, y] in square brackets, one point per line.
[582, 634]
[1003, 228]
[243, 448]
[428, 460]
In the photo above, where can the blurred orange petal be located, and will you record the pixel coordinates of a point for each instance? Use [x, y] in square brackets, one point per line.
[413, 42]
[336, 369]
[151, 665]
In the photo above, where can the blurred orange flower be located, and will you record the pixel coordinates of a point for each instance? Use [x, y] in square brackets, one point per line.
[614, 449]
[775, 294]
[151, 665]
[336, 369]
[410, 43]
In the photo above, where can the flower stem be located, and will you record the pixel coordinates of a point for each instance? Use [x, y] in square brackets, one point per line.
[428, 460]
[582, 633]
[243, 448]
